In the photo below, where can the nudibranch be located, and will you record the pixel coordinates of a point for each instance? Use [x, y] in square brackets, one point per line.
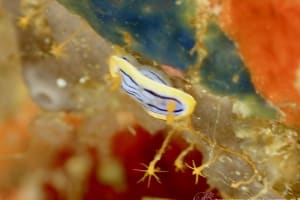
[151, 90]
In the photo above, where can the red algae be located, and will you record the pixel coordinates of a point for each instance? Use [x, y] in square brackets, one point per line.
[132, 150]
[267, 34]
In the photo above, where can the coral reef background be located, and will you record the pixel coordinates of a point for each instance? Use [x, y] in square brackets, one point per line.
[65, 135]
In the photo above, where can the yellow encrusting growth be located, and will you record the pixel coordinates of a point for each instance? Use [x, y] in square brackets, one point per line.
[151, 169]
[197, 171]
[187, 126]
[116, 82]
[171, 106]
[179, 162]
[113, 83]
[24, 21]
[58, 49]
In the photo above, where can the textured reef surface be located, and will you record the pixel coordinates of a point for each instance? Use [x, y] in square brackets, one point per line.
[166, 32]
[70, 131]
